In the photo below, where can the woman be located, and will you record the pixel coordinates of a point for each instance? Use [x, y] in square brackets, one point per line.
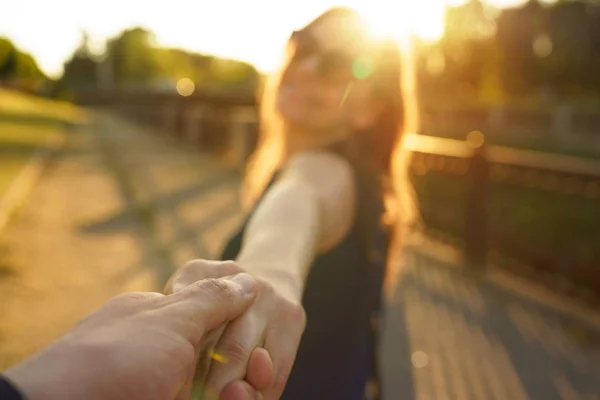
[319, 231]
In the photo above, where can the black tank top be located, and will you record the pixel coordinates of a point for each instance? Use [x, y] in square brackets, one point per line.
[341, 296]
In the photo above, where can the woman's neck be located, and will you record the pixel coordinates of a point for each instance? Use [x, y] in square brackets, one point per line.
[298, 139]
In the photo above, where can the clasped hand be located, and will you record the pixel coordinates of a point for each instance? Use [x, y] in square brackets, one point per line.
[250, 357]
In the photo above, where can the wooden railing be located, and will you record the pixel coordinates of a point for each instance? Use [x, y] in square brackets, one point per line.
[536, 213]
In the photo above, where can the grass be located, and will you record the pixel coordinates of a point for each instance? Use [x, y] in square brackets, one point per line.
[20, 107]
[25, 123]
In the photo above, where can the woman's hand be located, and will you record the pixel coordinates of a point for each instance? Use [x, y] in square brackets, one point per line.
[137, 346]
[272, 323]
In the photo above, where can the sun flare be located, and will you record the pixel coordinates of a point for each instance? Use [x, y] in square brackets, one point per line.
[404, 20]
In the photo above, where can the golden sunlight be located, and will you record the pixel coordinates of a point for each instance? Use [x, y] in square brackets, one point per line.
[405, 18]
[424, 19]
[208, 29]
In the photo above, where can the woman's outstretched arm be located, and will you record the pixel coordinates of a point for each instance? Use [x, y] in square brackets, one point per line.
[308, 210]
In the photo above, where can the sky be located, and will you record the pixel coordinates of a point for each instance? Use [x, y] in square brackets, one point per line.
[249, 30]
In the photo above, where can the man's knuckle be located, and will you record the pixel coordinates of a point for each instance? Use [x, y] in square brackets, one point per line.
[234, 351]
[199, 269]
[186, 275]
[190, 267]
[232, 267]
[216, 288]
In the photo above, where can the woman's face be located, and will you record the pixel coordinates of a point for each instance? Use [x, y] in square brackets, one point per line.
[319, 91]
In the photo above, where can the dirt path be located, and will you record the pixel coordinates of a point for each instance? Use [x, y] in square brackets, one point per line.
[56, 265]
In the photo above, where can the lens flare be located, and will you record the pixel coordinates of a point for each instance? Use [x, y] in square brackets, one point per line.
[362, 67]
[185, 87]
[218, 357]
[346, 93]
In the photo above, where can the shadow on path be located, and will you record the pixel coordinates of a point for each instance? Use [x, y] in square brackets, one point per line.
[482, 341]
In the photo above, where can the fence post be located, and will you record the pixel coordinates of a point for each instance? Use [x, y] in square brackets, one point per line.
[562, 121]
[149, 115]
[476, 204]
[239, 134]
[193, 123]
[140, 115]
[169, 115]
[495, 118]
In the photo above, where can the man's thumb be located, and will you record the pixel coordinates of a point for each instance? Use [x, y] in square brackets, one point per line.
[212, 302]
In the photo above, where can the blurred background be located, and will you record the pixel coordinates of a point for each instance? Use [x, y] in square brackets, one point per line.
[124, 127]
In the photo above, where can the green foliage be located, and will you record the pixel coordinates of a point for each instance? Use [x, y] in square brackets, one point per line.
[533, 52]
[133, 57]
[19, 69]
[8, 59]
[132, 60]
[233, 73]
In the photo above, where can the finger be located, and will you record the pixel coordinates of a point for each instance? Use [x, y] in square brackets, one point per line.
[194, 385]
[196, 270]
[281, 343]
[240, 390]
[208, 303]
[186, 391]
[260, 371]
[232, 353]
[204, 356]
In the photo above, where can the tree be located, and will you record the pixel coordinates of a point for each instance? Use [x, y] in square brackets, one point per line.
[550, 48]
[133, 57]
[464, 62]
[8, 59]
[19, 69]
[83, 50]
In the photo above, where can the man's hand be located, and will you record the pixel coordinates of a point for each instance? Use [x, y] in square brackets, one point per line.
[272, 323]
[138, 345]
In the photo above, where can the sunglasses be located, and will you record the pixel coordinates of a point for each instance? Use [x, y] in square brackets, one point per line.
[334, 65]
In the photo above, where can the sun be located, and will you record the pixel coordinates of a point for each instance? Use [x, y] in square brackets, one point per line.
[399, 20]
[403, 19]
